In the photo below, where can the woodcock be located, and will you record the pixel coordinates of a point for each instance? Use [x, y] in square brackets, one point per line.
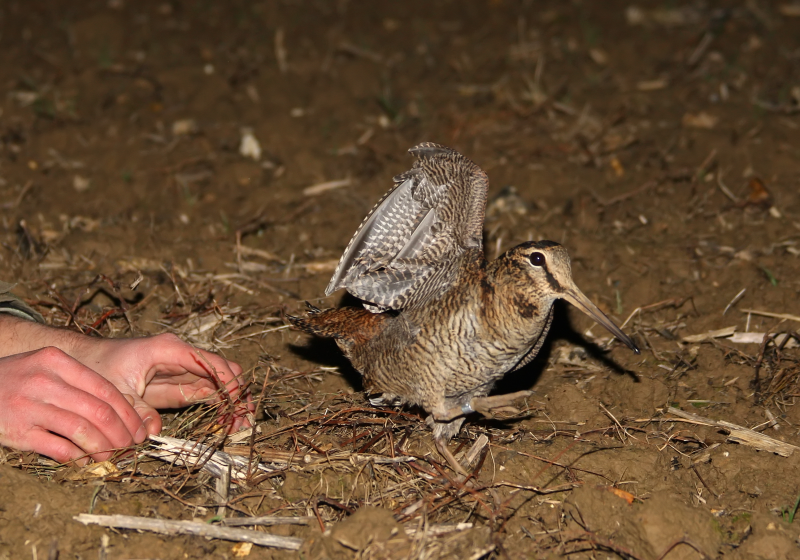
[441, 325]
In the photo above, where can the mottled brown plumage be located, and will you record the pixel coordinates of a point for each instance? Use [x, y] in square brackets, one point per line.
[441, 324]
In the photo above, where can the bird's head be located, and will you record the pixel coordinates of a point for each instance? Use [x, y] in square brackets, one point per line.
[543, 267]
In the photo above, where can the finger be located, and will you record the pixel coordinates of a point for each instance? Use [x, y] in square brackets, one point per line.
[182, 388]
[237, 387]
[79, 431]
[57, 448]
[173, 393]
[176, 358]
[93, 395]
[235, 368]
[241, 422]
[100, 414]
[244, 393]
[149, 415]
[210, 365]
[176, 396]
[228, 374]
[233, 422]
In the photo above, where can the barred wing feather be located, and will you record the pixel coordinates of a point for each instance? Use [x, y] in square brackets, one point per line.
[405, 249]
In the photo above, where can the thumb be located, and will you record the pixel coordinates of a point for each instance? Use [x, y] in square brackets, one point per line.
[148, 414]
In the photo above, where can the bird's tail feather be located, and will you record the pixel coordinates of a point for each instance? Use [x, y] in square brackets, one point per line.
[349, 323]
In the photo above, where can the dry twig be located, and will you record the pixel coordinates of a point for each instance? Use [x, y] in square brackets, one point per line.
[740, 434]
[169, 527]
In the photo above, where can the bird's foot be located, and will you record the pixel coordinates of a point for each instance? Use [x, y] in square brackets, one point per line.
[496, 404]
[488, 406]
[441, 447]
[469, 457]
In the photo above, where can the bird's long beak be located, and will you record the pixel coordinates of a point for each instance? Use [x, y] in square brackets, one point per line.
[573, 295]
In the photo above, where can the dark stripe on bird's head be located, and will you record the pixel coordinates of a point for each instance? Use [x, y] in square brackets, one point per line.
[430, 149]
[552, 281]
[543, 244]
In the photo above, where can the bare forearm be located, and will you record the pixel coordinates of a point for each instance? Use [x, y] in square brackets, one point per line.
[19, 335]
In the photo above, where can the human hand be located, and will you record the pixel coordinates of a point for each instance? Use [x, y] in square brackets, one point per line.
[165, 372]
[53, 404]
[67, 395]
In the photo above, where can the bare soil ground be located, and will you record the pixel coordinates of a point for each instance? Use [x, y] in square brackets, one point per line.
[659, 142]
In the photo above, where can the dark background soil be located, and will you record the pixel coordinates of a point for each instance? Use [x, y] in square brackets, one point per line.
[659, 142]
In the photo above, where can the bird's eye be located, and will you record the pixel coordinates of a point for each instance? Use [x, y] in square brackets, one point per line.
[537, 259]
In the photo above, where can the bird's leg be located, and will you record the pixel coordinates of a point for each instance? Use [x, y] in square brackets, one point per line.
[441, 447]
[445, 427]
[485, 405]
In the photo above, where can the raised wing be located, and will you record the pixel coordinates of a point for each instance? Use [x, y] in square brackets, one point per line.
[405, 250]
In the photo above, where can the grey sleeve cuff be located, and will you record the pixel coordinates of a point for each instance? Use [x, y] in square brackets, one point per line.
[11, 304]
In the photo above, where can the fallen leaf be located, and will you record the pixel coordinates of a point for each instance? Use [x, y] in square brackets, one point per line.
[250, 146]
[184, 127]
[135, 264]
[627, 496]
[758, 338]
[320, 188]
[599, 56]
[699, 120]
[80, 184]
[242, 549]
[759, 195]
[617, 166]
[789, 10]
[745, 255]
[94, 470]
[720, 333]
[321, 266]
[634, 15]
[652, 85]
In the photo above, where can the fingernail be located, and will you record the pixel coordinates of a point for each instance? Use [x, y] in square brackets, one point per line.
[141, 434]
